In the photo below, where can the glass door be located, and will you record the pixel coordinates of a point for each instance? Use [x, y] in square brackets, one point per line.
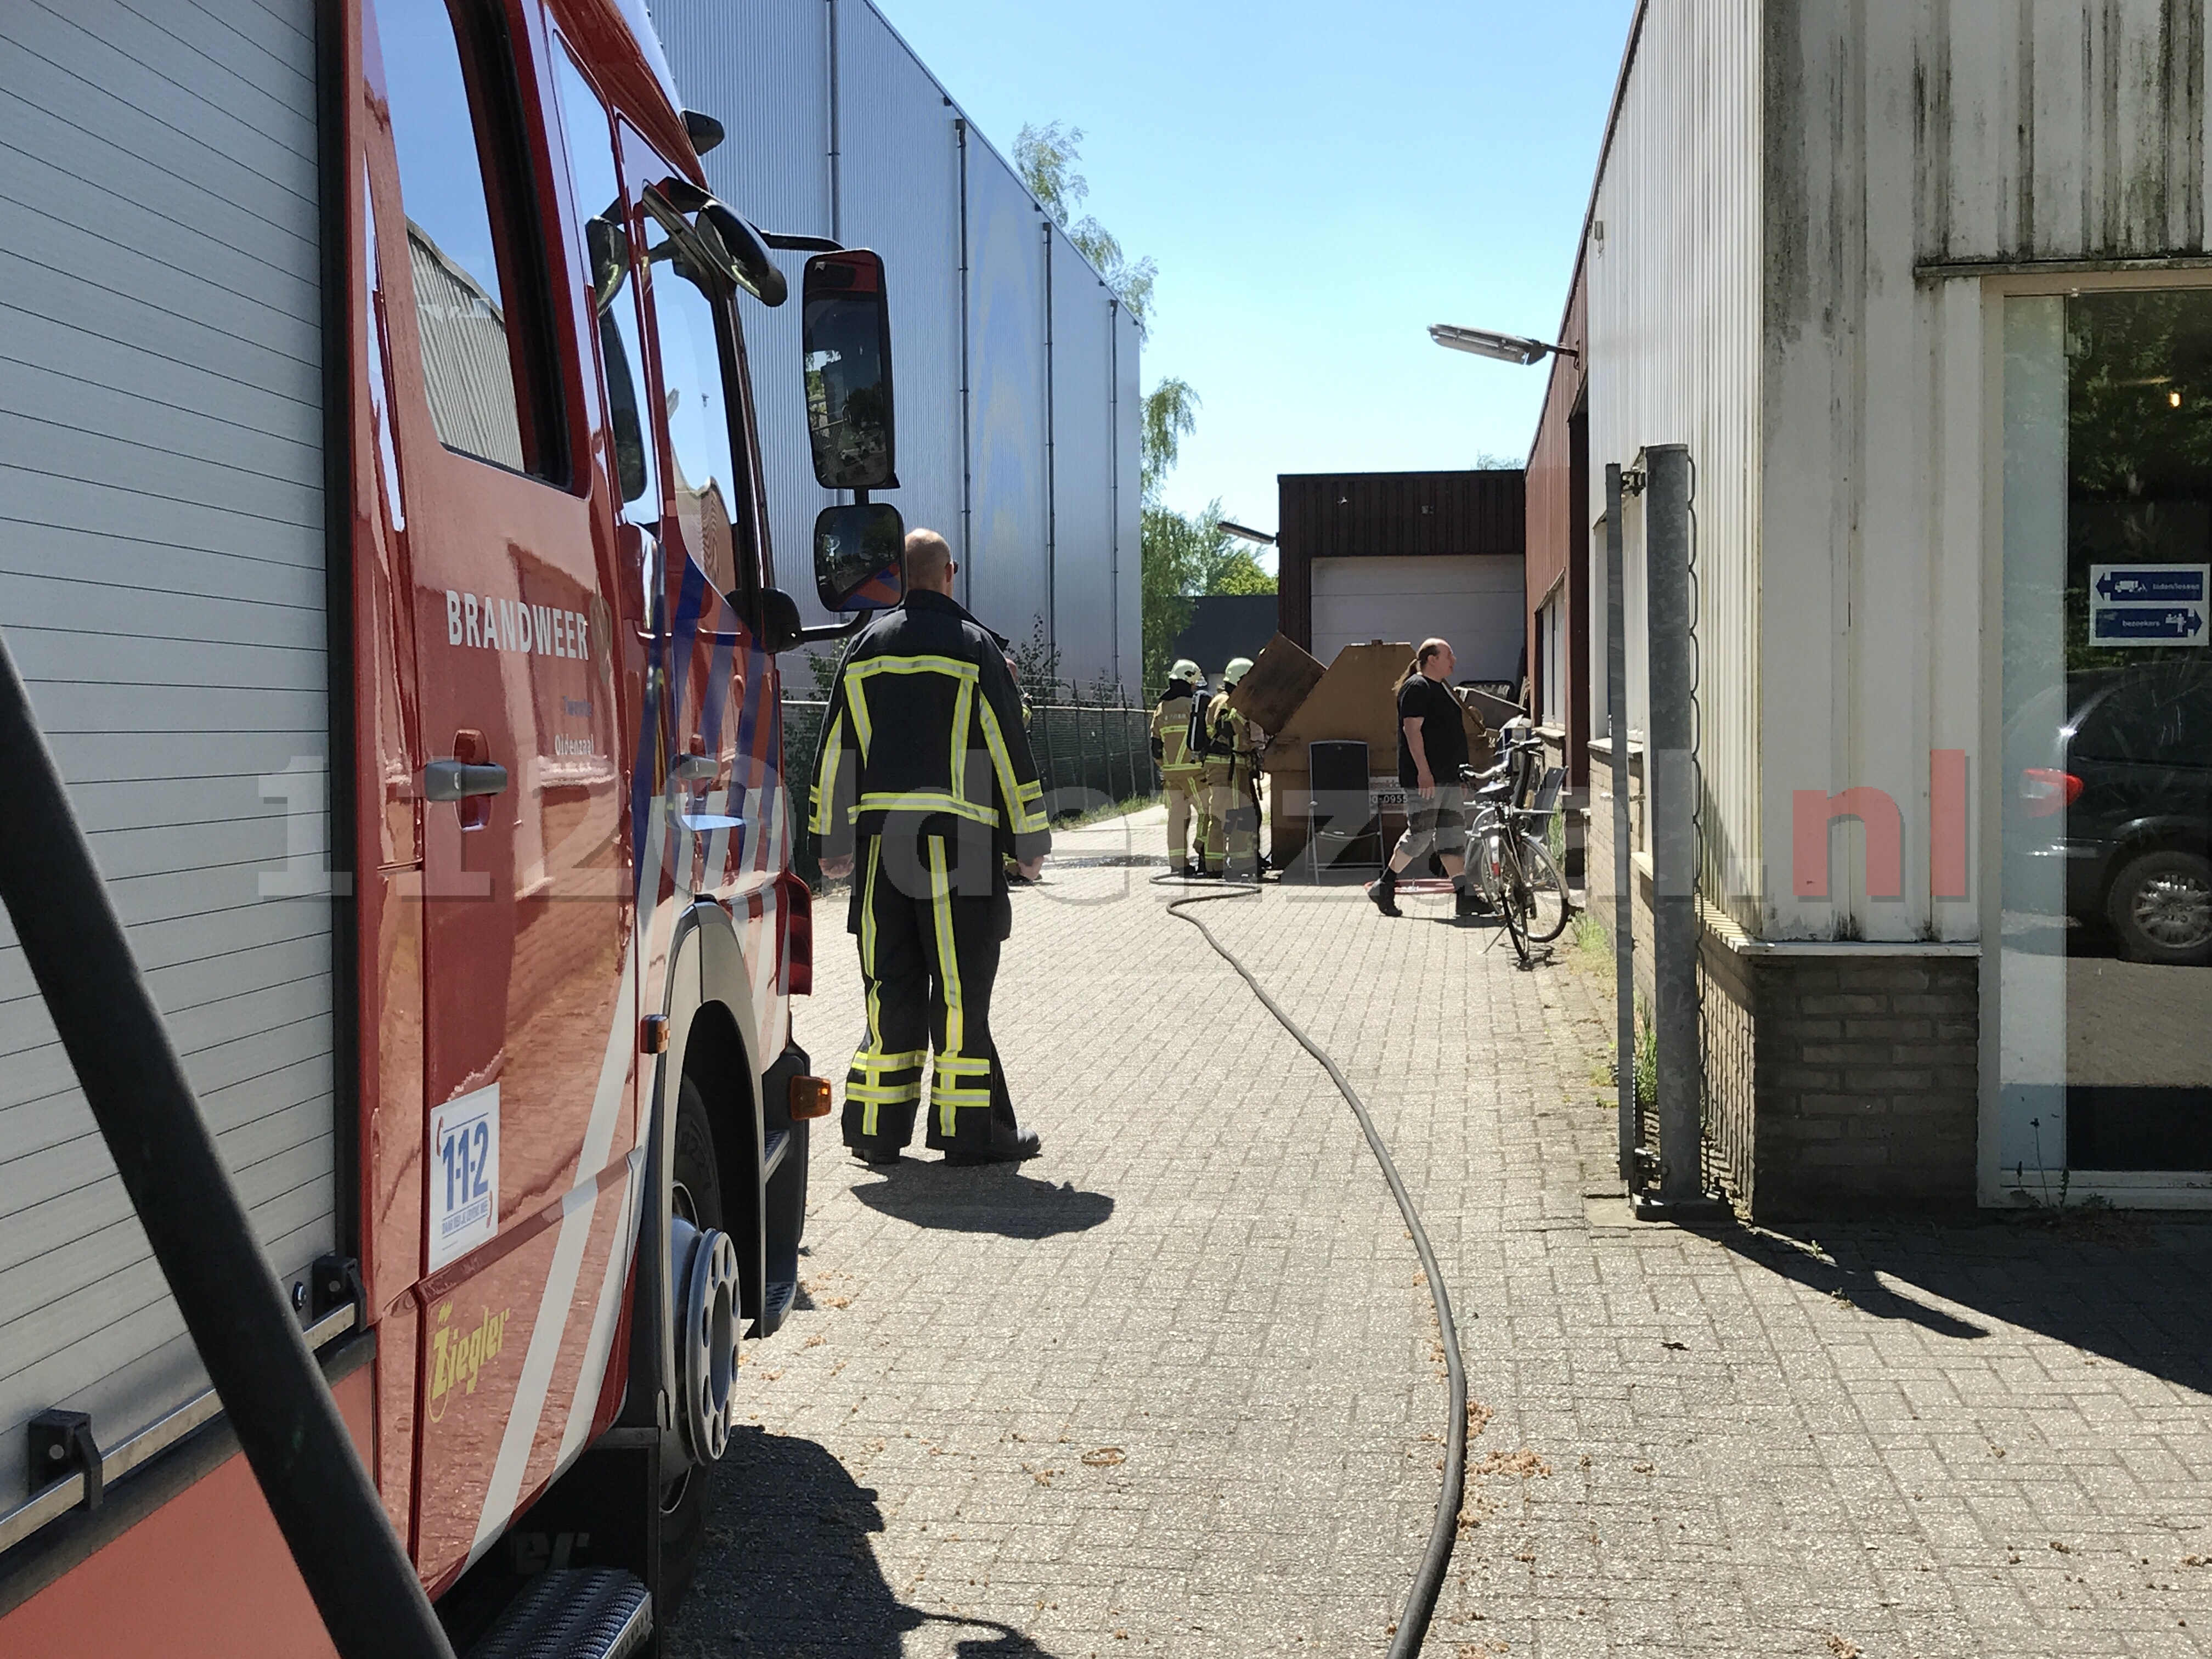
[2105, 970]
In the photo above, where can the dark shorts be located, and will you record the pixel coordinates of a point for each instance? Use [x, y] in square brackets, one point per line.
[1437, 824]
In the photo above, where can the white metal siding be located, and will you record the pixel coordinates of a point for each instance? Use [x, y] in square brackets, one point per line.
[162, 588]
[2048, 130]
[1674, 353]
[1906, 137]
[1472, 600]
[1128, 500]
[899, 173]
[1083, 466]
[763, 69]
[1006, 572]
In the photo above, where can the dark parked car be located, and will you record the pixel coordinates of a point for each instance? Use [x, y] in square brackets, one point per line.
[2112, 807]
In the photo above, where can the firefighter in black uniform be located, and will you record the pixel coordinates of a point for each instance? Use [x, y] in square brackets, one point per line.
[923, 787]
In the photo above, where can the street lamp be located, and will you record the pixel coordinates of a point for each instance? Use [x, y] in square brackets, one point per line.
[1502, 348]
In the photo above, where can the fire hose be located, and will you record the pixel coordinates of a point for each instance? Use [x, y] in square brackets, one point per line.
[1420, 1603]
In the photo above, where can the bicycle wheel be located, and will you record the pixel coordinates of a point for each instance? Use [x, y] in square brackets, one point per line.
[1512, 887]
[1547, 906]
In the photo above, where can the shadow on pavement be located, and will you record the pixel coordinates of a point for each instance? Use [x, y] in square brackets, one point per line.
[990, 1199]
[1844, 1277]
[788, 1569]
[2134, 1289]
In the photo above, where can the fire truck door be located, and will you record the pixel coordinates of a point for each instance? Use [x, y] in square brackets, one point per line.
[531, 1016]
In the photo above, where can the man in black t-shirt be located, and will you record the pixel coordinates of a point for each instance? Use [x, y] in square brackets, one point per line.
[1431, 749]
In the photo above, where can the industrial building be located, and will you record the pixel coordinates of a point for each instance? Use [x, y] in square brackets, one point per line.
[1402, 557]
[1925, 293]
[1016, 368]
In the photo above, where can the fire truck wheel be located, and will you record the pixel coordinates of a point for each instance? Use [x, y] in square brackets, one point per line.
[696, 1208]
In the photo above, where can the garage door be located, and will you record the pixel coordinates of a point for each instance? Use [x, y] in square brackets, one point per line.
[1474, 602]
[162, 588]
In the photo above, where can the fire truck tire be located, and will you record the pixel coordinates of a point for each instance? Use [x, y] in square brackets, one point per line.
[697, 1200]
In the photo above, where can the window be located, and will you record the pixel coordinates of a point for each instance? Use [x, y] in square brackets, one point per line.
[471, 242]
[712, 518]
[2106, 889]
[609, 272]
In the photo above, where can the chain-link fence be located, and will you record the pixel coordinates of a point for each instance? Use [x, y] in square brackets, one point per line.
[1090, 752]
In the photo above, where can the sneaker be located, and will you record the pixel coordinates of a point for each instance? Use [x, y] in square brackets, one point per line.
[1384, 900]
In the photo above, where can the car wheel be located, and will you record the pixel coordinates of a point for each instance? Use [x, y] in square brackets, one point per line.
[2161, 905]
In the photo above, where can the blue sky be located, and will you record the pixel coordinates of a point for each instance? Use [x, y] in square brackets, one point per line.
[1318, 183]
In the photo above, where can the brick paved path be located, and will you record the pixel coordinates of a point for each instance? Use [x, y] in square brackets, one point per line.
[1174, 1386]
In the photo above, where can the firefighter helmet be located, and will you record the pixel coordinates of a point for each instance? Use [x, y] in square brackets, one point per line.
[1236, 671]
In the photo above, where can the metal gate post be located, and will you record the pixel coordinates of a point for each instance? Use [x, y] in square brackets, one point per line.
[1624, 869]
[1670, 794]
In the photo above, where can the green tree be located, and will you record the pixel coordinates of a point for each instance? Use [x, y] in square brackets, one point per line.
[1045, 157]
[1184, 556]
[1240, 572]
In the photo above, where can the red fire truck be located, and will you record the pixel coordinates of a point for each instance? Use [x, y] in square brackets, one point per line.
[384, 544]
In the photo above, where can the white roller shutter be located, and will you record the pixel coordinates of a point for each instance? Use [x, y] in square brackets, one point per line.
[1472, 600]
[162, 589]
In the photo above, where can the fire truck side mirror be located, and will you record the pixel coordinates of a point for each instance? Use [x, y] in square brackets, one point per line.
[847, 358]
[859, 557]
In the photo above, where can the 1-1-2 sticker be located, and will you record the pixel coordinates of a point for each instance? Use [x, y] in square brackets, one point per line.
[464, 1174]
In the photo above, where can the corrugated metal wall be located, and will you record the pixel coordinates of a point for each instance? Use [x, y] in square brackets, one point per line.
[898, 191]
[764, 74]
[1672, 269]
[1007, 583]
[1127, 500]
[1915, 150]
[1083, 466]
[163, 592]
[887, 133]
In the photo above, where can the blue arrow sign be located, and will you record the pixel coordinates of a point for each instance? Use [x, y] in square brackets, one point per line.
[2149, 623]
[2182, 584]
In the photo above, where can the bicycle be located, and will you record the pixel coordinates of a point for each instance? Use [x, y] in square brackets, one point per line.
[1516, 872]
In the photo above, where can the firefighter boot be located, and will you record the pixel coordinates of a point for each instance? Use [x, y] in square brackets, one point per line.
[1010, 1143]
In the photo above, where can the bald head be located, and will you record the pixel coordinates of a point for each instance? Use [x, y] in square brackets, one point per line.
[929, 561]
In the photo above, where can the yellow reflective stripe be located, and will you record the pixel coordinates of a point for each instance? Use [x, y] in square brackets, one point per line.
[882, 1094]
[948, 970]
[868, 1113]
[825, 780]
[1018, 806]
[960, 668]
[950, 1064]
[869, 1060]
[856, 701]
[961, 703]
[928, 800]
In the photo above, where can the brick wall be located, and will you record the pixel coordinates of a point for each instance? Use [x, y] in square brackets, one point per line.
[1867, 1082]
[1728, 1006]
[1833, 1084]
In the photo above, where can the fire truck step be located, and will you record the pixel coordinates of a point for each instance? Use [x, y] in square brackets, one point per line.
[597, 1613]
[772, 1151]
[780, 1292]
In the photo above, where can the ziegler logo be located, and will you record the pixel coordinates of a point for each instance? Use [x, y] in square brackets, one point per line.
[456, 1357]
